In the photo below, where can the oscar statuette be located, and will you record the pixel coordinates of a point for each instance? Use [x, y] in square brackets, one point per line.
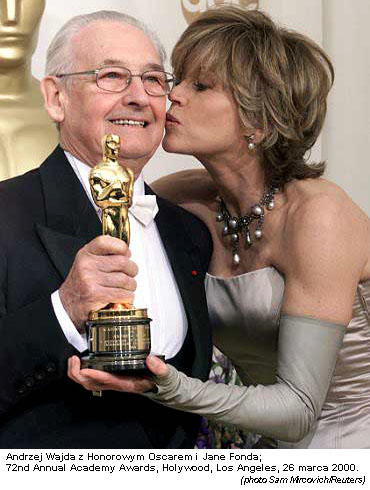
[118, 334]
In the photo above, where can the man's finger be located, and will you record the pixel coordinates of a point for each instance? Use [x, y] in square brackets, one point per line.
[74, 370]
[107, 245]
[117, 263]
[115, 382]
[117, 280]
[115, 295]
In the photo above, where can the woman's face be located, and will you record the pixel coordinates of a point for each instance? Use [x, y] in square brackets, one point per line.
[203, 120]
[19, 20]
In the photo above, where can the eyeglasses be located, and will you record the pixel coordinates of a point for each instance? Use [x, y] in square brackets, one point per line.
[117, 79]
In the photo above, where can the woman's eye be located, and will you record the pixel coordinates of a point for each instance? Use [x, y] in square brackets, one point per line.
[199, 87]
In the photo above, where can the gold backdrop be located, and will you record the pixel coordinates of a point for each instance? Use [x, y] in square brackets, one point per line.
[192, 8]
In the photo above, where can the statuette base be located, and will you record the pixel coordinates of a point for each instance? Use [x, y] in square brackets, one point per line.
[119, 340]
[113, 364]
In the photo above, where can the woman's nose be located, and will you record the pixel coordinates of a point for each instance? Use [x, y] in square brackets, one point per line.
[176, 94]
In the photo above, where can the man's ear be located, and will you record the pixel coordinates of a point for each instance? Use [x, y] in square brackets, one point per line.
[53, 98]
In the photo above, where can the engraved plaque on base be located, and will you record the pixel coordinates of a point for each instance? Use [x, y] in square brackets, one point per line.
[119, 339]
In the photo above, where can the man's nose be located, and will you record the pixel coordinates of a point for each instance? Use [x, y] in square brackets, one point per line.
[135, 93]
[9, 12]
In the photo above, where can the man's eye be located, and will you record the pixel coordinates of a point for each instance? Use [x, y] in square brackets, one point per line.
[155, 79]
[111, 74]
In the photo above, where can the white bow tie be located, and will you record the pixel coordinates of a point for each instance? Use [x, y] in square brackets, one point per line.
[144, 208]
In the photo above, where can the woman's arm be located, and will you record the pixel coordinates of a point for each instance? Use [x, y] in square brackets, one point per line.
[324, 254]
[188, 189]
[287, 409]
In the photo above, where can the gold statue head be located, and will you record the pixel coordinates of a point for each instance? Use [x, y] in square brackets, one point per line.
[19, 22]
[111, 185]
[111, 145]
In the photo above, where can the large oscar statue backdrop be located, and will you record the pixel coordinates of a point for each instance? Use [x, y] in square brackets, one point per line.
[27, 135]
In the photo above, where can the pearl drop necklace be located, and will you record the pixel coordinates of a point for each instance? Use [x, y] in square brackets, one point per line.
[236, 227]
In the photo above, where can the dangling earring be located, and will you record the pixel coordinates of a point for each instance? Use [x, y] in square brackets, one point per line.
[251, 144]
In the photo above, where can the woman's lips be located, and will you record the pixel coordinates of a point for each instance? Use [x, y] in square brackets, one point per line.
[171, 119]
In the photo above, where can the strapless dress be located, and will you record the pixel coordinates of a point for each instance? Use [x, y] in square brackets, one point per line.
[245, 312]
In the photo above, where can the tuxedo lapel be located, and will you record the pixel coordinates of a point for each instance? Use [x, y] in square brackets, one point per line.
[71, 220]
[61, 248]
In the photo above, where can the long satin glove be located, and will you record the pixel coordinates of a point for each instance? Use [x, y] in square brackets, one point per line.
[286, 410]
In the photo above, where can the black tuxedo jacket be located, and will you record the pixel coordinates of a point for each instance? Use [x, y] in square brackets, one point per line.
[45, 218]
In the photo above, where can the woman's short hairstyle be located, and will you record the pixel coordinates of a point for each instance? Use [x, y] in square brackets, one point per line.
[59, 58]
[279, 79]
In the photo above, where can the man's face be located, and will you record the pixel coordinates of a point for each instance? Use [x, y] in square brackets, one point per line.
[89, 113]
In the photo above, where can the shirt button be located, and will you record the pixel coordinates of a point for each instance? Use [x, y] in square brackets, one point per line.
[21, 389]
[39, 375]
[29, 382]
[50, 368]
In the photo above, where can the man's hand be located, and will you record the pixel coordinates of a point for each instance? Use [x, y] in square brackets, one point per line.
[102, 273]
[95, 380]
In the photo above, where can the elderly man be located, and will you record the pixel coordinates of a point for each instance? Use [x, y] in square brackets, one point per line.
[104, 75]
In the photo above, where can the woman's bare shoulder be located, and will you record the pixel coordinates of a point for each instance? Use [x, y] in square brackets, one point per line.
[324, 198]
[325, 250]
[324, 220]
[187, 187]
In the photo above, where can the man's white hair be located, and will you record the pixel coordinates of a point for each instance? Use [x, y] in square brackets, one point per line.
[59, 57]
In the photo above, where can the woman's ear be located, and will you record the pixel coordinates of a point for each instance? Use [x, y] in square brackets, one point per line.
[254, 138]
[255, 135]
[53, 98]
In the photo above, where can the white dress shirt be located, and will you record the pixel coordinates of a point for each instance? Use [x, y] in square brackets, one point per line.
[156, 286]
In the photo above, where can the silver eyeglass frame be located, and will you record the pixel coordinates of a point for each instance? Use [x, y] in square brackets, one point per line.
[171, 82]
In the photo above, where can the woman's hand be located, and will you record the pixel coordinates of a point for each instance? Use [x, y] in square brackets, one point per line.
[94, 380]
[156, 366]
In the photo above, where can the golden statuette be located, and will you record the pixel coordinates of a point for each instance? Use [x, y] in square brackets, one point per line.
[119, 334]
[112, 186]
